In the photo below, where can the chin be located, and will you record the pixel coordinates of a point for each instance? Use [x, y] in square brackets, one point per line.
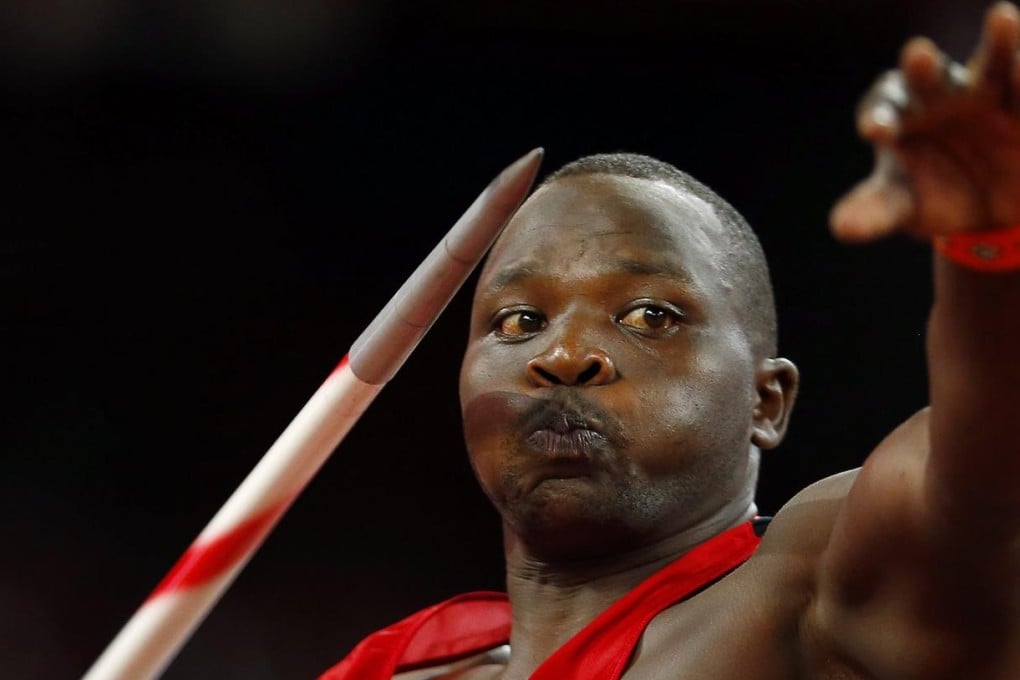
[559, 525]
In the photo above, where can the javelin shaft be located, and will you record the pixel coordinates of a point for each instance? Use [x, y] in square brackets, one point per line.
[164, 622]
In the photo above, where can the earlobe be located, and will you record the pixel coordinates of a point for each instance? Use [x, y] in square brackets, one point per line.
[776, 386]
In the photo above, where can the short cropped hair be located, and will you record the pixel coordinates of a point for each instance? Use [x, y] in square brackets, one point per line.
[743, 259]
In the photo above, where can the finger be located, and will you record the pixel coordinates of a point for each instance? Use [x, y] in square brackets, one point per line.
[926, 72]
[992, 62]
[945, 196]
[1014, 85]
[870, 211]
[875, 208]
[880, 112]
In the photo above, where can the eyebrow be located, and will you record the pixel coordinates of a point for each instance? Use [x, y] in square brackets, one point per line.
[518, 273]
[509, 277]
[653, 268]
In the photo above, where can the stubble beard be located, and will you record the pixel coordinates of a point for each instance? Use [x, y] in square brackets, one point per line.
[558, 524]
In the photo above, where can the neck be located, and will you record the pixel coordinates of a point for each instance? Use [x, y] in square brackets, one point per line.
[553, 600]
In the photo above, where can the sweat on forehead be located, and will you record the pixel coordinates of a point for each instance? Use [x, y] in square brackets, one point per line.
[627, 213]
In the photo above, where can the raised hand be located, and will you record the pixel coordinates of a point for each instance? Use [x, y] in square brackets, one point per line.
[946, 139]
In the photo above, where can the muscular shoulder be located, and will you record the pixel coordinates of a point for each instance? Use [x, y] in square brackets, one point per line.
[804, 524]
[755, 611]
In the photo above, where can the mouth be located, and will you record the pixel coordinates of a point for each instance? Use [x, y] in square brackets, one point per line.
[570, 444]
[565, 434]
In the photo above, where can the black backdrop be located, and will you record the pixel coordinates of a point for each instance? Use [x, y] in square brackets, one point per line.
[205, 203]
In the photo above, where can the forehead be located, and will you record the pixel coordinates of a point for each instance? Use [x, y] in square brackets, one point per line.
[619, 221]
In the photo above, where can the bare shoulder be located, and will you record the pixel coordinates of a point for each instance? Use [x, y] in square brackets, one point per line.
[756, 610]
[804, 524]
[763, 606]
[892, 594]
[890, 479]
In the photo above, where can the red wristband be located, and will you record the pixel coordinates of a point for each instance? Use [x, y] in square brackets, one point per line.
[987, 251]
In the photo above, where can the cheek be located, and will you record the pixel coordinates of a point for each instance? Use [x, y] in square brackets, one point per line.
[720, 407]
[485, 367]
[486, 418]
[668, 426]
[680, 418]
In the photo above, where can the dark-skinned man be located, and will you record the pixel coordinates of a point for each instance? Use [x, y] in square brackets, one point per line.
[621, 378]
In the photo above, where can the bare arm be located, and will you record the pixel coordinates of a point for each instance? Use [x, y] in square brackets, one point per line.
[973, 477]
[920, 572]
[948, 142]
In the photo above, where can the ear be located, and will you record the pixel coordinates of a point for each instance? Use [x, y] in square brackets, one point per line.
[776, 389]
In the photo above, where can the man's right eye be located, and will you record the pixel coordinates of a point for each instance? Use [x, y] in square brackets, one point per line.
[519, 323]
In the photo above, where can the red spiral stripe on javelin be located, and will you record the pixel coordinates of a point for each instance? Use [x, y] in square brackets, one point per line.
[341, 365]
[206, 561]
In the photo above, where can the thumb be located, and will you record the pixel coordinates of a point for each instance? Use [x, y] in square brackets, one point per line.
[873, 209]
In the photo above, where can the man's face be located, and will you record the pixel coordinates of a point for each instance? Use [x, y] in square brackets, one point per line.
[608, 385]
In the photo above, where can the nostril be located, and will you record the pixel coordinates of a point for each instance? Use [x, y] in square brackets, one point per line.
[546, 375]
[589, 373]
[571, 368]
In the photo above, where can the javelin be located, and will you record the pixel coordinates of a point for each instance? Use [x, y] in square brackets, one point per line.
[158, 629]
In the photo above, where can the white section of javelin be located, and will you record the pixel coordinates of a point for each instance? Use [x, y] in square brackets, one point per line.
[151, 638]
[299, 452]
[145, 646]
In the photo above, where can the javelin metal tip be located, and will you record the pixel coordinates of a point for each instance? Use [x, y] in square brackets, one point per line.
[381, 349]
[475, 232]
[524, 168]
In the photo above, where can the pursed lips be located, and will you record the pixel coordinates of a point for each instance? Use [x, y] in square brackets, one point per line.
[580, 443]
[567, 436]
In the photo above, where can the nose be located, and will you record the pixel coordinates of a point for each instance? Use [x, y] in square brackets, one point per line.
[562, 365]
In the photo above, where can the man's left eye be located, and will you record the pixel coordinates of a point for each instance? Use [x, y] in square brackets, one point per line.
[650, 318]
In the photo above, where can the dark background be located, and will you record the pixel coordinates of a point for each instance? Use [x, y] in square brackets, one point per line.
[206, 202]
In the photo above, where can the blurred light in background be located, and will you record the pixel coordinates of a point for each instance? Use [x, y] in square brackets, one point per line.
[262, 41]
[276, 42]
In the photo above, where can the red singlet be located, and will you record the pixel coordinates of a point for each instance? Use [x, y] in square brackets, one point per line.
[475, 622]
